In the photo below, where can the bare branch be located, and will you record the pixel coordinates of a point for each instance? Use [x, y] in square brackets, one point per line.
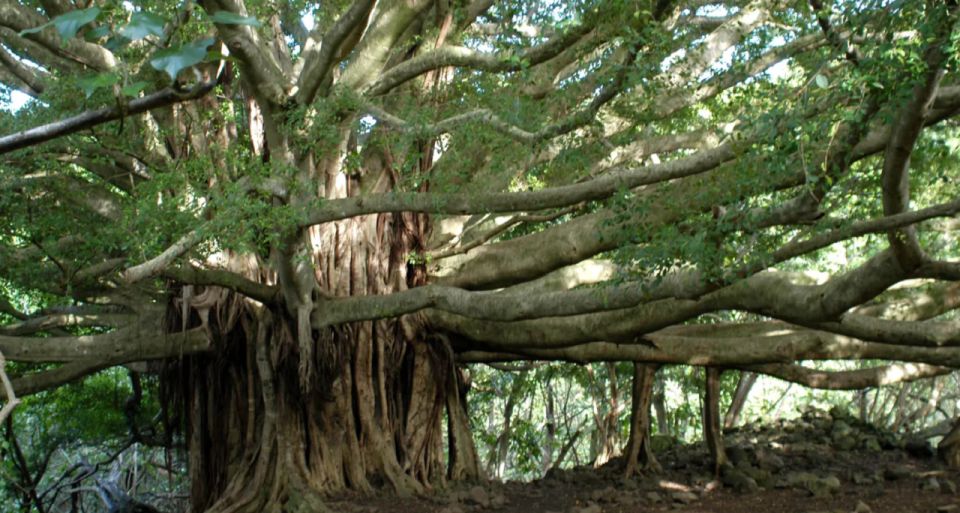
[852, 379]
[37, 135]
[466, 58]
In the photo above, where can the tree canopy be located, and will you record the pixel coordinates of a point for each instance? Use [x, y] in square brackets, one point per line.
[332, 207]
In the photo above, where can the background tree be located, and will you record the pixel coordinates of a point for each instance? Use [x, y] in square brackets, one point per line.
[319, 212]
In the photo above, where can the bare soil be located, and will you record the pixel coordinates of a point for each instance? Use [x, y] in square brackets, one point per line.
[805, 466]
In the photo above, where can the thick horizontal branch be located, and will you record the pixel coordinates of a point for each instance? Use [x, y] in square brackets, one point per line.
[596, 189]
[221, 278]
[120, 346]
[683, 284]
[177, 344]
[62, 320]
[726, 346]
[521, 259]
[852, 379]
[37, 135]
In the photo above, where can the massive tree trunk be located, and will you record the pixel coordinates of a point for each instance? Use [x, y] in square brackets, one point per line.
[274, 421]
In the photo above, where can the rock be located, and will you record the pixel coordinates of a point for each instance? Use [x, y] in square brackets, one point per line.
[498, 500]
[799, 479]
[767, 460]
[845, 443]
[589, 508]
[478, 495]
[625, 499]
[930, 484]
[838, 412]
[654, 497]
[948, 508]
[948, 486]
[862, 507]
[823, 487]
[919, 449]
[897, 472]
[738, 455]
[662, 443]
[451, 509]
[872, 444]
[860, 478]
[739, 481]
[684, 497]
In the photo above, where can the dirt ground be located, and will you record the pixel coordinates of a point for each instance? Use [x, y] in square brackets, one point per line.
[818, 464]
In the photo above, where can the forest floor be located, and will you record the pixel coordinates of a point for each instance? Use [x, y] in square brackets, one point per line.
[821, 463]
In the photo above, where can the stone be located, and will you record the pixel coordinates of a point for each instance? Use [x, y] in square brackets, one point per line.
[838, 412]
[589, 508]
[823, 487]
[948, 508]
[948, 486]
[653, 497]
[897, 472]
[739, 481]
[930, 484]
[478, 495]
[767, 460]
[919, 449]
[738, 455]
[684, 497]
[872, 444]
[862, 507]
[860, 478]
[451, 509]
[498, 500]
[799, 479]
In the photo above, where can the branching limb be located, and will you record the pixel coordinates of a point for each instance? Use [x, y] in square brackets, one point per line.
[556, 197]
[159, 263]
[319, 55]
[89, 119]
[458, 56]
[191, 275]
[150, 348]
[905, 132]
[852, 379]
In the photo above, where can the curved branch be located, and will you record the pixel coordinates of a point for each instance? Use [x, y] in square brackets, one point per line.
[37, 135]
[175, 344]
[852, 379]
[269, 294]
[464, 57]
[598, 188]
[157, 264]
[319, 57]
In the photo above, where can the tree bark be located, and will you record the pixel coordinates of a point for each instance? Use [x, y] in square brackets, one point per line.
[639, 454]
[949, 447]
[712, 434]
[747, 380]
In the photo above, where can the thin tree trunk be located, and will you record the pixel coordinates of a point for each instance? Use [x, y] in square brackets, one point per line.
[747, 380]
[712, 434]
[639, 454]
[660, 406]
[550, 426]
[949, 447]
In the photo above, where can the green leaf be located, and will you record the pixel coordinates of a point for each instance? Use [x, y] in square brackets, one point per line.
[68, 24]
[173, 60]
[821, 81]
[229, 18]
[90, 84]
[143, 24]
[132, 90]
